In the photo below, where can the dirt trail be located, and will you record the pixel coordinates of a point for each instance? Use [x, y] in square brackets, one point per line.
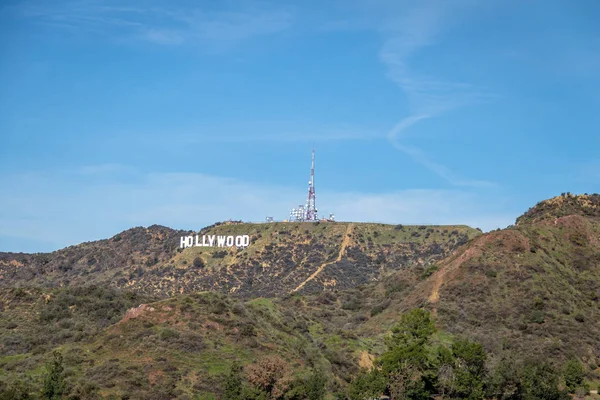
[438, 276]
[435, 291]
[345, 243]
[451, 266]
[512, 241]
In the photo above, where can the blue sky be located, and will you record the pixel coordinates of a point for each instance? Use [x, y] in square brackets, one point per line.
[116, 114]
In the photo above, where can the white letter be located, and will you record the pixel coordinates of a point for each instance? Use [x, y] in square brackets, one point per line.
[182, 242]
[246, 240]
[238, 241]
[190, 241]
[229, 241]
[211, 240]
[197, 244]
[221, 241]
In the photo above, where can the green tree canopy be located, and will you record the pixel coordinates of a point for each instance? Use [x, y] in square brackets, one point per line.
[54, 383]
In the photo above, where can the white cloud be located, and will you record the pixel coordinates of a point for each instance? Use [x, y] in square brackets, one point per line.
[65, 208]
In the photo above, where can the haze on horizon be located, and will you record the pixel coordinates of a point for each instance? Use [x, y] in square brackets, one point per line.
[121, 114]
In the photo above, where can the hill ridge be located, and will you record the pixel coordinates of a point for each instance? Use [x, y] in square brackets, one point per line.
[282, 258]
[561, 206]
[124, 326]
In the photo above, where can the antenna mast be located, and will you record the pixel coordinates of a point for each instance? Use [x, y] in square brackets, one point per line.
[311, 205]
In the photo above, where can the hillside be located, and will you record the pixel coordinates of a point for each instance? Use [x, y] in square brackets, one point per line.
[562, 206]
[528, 292]
[173, 348]
[533, 289]
[282, 258]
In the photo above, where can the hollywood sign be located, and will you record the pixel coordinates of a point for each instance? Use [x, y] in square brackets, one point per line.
[214, 240]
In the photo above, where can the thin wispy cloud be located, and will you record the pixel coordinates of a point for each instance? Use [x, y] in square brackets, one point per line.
[135, 21]
[419, 155]
[417, 29]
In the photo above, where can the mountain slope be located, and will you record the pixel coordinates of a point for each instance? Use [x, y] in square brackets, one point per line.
[282, 258]
[533, 288]
[172, 348]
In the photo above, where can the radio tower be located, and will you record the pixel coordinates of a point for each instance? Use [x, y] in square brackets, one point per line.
[311, 205]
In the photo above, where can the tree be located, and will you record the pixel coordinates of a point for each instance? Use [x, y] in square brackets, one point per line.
[408, 383]
[408, 341]
[574, 375]
[406, 369]
[505, 380]
[540, 381]
[315, 385]
[54, 384]
[233, 384]
[367, 385]
[468, 367]
[270, 374]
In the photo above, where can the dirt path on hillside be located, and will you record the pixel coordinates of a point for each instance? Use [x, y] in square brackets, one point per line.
[440, 276]
[435, 291]
[345, 243]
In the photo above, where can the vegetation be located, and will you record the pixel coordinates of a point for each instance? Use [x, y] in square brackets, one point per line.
[54, 382]
[149, 260]
[561, 206]
[403, 311]
[417, 365]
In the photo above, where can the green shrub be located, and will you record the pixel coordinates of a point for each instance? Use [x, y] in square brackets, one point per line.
[429, 271]
[574, 375]
[167, 334]
[198, 263]
[537, 317]
[490, 273]
[379, 307]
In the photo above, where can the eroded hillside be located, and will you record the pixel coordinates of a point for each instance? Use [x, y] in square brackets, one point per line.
[282, 258]
[533, 288]
[116, 343]
[526, 292]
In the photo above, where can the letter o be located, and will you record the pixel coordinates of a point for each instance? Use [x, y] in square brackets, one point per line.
[229, 241]
[239, 242]
[189, 241]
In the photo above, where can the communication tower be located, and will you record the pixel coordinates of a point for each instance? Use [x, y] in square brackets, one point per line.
[307, 212]
[311, 204]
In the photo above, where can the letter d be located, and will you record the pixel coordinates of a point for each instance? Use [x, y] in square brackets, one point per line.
[246, 240]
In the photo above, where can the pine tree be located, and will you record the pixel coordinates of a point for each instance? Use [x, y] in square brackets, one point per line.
[54, 384]
[233, 384]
